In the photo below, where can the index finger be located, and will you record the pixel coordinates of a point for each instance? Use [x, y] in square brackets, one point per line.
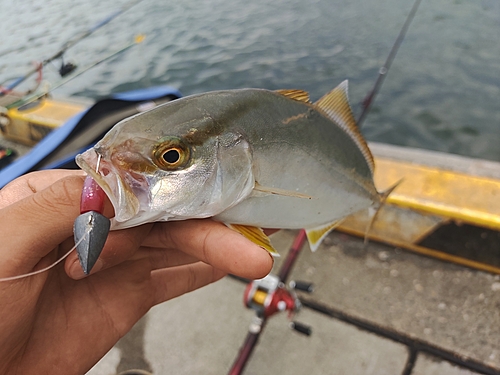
[31, 183]
[215, 244]
[33, 226]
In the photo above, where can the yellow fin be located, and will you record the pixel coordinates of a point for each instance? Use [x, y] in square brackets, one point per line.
[299, 95]
[278, 191]
[256, 235]
[316, 235]
[335, 105]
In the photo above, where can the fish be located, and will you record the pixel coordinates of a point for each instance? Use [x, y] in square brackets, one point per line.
[250, 158]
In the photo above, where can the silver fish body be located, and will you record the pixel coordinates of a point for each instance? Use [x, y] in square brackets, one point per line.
[251, 156]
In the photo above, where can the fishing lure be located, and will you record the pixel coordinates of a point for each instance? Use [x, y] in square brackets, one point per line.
[91, 221]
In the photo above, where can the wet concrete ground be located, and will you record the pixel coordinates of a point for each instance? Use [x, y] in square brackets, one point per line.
[438, 304]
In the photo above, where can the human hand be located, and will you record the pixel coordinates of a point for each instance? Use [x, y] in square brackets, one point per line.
[60, 320]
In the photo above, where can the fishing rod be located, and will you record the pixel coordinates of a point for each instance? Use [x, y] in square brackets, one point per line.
[65, 68]
[368, 100]
[37, 95]
[268, 297]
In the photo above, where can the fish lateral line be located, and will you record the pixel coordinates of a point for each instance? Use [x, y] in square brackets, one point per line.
[294, 118]
[278, 191]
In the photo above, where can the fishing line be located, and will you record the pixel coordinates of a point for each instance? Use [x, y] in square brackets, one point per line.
[11, 278]
[70, 43]
[31, 98]
[367, 102]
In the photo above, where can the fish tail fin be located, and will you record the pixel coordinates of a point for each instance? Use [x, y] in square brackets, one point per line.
[383, 200]
[316, 235]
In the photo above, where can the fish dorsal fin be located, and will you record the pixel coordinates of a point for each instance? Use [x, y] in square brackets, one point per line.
[299, 95]
[336, 106]
[316, 235]
[256, 235]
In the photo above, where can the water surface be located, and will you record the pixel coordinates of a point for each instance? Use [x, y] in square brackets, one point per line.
[442, 92]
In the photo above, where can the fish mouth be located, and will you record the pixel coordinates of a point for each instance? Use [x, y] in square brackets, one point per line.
[125, 203]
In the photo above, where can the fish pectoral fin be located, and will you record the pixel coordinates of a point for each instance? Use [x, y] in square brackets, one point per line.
[316, 235]
[299, 95]
[256, 235]
[278, 191]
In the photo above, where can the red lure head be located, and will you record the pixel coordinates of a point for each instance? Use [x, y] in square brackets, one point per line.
[92, 197]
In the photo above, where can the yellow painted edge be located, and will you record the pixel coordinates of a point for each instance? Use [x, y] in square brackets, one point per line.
[38, 116]
[31, 119]
[388, 169]
[457, 213]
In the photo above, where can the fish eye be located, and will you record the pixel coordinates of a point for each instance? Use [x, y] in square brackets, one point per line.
[171, 154]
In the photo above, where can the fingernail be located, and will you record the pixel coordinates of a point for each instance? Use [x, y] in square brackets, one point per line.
[76, 271]
[272, 255]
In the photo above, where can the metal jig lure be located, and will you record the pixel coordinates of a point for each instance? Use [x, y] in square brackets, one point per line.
[91, 225]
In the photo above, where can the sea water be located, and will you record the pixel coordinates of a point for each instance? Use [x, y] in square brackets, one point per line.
[442, 91]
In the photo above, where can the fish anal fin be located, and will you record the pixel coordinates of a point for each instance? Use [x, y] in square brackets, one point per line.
[278, 191]
[316, 235]
[335, 105]
[299, 95]
[256, 235]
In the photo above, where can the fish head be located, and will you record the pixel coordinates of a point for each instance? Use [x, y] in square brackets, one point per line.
[155, 168]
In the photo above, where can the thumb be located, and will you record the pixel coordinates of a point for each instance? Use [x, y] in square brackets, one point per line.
[32, 227]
